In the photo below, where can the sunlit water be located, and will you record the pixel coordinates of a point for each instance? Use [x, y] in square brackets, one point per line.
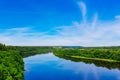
[50, 67]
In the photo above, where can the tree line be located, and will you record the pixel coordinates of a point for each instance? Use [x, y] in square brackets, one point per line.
[102, 53]
[26, 51]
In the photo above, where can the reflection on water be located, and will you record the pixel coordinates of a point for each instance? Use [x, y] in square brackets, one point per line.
[50, 67]
[98, 63]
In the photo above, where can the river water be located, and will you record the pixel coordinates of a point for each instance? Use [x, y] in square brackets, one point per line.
[49, 67]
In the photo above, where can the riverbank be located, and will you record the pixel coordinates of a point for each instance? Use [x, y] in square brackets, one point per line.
[11, 60]
[12, 65]
[97, 59]
[110, 55]
[99, 63]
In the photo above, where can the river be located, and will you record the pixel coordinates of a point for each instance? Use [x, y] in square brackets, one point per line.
[50, 67]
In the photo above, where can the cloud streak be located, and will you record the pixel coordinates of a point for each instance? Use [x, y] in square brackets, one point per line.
[82, 6]
[84, 33]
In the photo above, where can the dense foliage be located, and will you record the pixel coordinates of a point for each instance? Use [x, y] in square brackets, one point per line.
[2, 47]
[103, 53]
[99, 63]
[26, 51]
[11, 64]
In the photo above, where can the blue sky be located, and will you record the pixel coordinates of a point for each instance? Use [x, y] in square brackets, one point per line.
[60, 22]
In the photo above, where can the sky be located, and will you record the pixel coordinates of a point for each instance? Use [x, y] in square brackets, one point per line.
[60, 22]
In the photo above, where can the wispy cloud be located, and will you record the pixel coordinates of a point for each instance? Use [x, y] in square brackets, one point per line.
[94, 33]
[19, 29]
[82, 6]
[117, 17]
[84, 33]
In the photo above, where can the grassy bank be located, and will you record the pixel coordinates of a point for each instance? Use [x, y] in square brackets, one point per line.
[97, 59]
[98, 63]
[111, 55]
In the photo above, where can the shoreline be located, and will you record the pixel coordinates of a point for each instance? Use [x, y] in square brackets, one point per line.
[97, 59]
[88, 58]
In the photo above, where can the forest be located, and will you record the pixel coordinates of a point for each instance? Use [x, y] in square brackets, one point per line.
[11, 64]
[26, 51]
[11, 60]
[98, 53]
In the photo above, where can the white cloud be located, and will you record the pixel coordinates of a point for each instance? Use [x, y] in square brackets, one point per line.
[94, 33]
[19, 29]
[117, 17]
[94, 23]
[82, 6]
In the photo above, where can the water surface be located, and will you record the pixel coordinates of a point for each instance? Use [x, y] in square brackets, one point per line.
[50, 67]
